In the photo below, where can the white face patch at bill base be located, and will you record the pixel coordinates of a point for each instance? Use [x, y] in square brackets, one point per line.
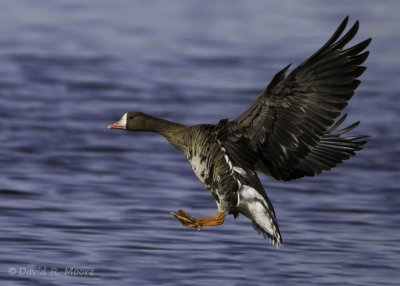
[123, 121]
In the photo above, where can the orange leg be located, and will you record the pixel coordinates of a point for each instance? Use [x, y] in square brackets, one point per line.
[200, 222]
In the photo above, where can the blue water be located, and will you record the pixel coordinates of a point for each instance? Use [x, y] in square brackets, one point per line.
[75, 195]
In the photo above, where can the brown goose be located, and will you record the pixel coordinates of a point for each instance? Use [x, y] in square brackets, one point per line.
[288, 132]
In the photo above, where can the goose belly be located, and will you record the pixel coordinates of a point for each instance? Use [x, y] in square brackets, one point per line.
[201, 169]
[213, 167]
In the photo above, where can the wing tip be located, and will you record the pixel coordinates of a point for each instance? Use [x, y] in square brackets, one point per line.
[339, 122]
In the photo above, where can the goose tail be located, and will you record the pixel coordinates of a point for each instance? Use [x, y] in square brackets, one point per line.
[260, 211]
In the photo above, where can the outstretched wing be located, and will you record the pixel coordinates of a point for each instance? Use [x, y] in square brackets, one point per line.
[285, 133]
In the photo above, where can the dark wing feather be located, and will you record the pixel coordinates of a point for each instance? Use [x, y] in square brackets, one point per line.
[285, 132]
[330, 151]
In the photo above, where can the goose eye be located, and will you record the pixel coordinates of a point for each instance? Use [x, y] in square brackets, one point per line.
[130, 117]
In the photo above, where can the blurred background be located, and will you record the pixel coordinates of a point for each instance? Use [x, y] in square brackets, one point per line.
[76, 195]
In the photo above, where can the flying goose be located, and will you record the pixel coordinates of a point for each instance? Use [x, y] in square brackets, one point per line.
[289, 132]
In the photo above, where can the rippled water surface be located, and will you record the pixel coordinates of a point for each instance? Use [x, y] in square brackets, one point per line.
[74, 195]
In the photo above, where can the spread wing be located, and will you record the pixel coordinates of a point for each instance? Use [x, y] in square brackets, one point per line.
[286, 132]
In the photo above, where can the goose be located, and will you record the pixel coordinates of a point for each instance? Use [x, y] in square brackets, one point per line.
[290, 131]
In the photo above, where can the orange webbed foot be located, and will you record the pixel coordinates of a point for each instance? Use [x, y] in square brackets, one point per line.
[200, 222]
